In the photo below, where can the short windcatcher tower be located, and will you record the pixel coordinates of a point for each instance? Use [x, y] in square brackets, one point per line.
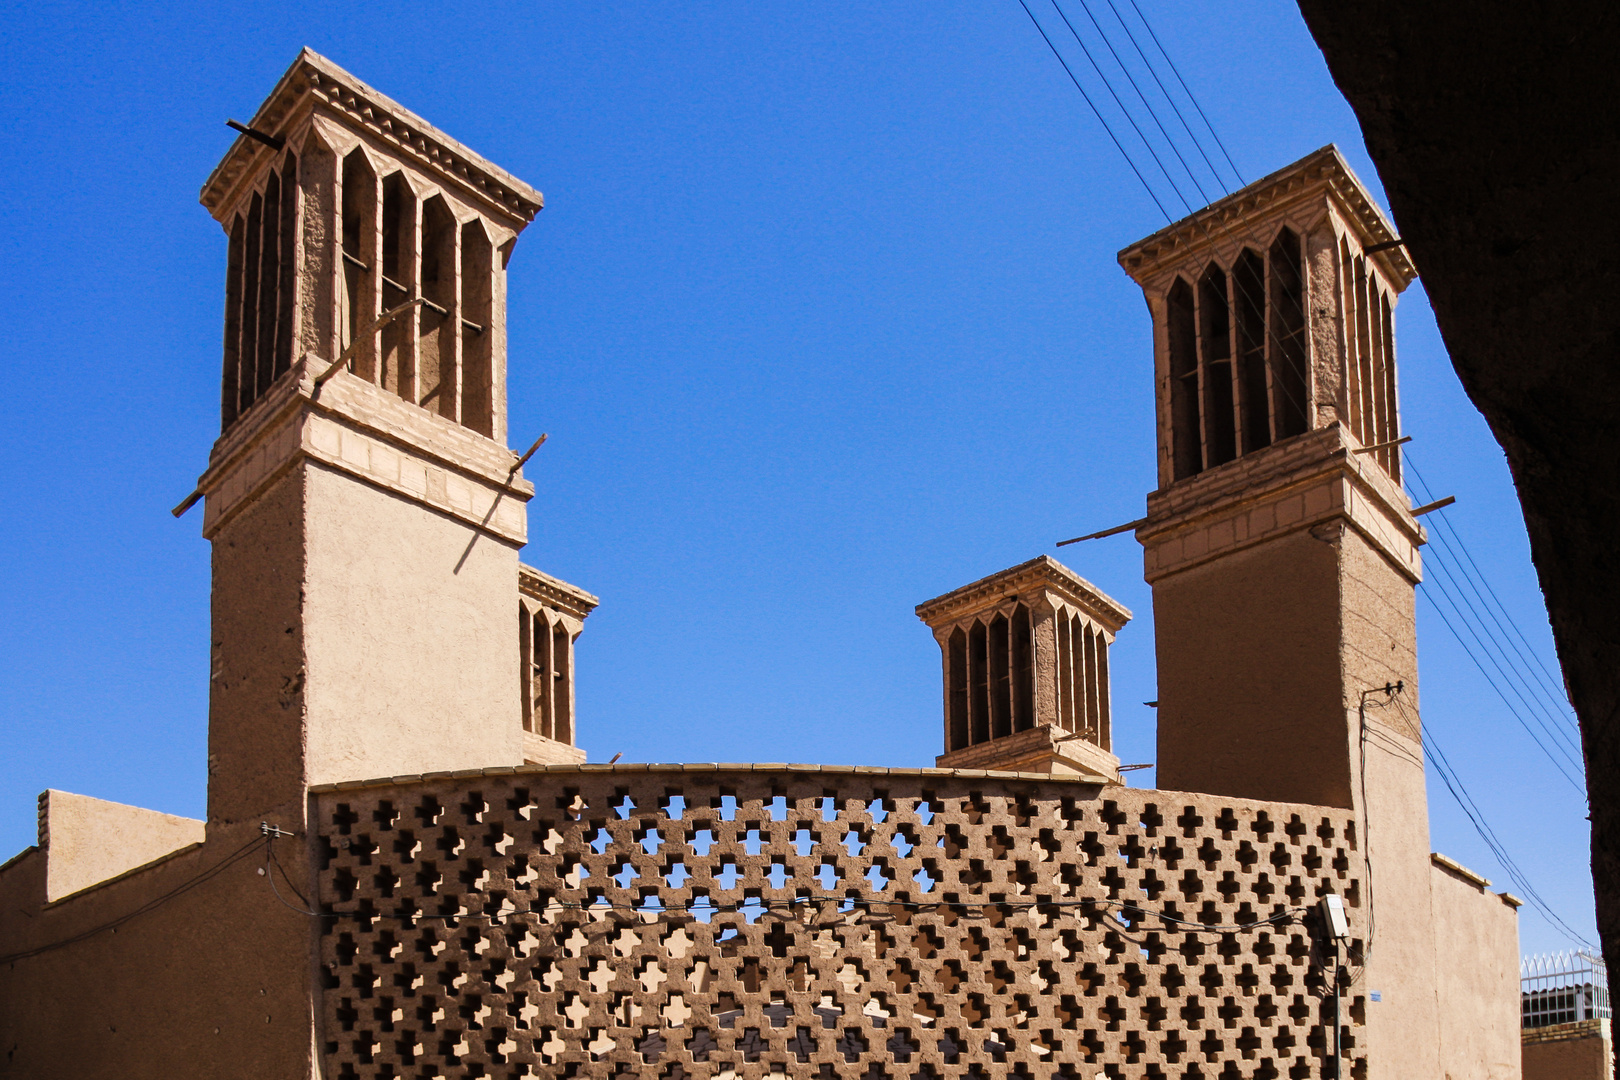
[1025, 659]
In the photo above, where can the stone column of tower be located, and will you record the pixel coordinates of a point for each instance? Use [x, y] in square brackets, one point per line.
[1281, 548]
[365, 521]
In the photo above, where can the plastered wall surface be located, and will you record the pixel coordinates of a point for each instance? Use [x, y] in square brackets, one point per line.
[215, 983]
[411, 626]
[920, 923]
[1477, 966]
[1377, 648]
[86, 841]
[1248, 679]
[1404, 1038]
[356, 633]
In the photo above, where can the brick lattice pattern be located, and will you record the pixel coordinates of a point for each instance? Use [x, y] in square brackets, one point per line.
[856, 980]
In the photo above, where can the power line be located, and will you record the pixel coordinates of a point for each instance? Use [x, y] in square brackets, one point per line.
[1491, 682]
[1477, 580]
[1095, 111]
[1135, 86]
[1444, 580]
[1173, 106]
[1128, 117]
[1487, 648]
[1454, 784]
[1269, 331]
[1237, 283]
[1148, 26]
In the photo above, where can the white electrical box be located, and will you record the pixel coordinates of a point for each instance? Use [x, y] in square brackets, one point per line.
[1338, 926]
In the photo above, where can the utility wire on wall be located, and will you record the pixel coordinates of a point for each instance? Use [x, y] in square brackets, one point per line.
[156, 902]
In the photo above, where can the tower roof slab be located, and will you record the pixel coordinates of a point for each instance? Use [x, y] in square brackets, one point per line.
[1321, 173]
[313, 83]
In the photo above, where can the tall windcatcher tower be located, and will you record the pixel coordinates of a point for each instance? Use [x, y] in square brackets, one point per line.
[362, 503]
[1281, 548]
[1280, 545]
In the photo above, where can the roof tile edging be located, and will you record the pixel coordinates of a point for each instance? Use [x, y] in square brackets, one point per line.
[629, 768]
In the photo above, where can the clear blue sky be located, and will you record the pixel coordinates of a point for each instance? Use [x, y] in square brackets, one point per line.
[822, 317]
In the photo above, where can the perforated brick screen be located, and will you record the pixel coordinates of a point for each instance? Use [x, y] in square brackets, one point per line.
[734, 922]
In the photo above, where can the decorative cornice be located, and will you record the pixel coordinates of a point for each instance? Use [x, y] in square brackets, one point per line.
[1289, 487]
[1042, 572]
[314, 79]
[1324, 171]
[570, 599]
[355, 427]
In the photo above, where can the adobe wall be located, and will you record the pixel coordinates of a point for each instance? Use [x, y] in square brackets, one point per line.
[87, 840]
[1378, 612]
[213, 983]
[256, 722]
[1404, 1037]
[410, 621]
[912, 922]
[1228, 723]
[1477, 965]
[1582, 1051]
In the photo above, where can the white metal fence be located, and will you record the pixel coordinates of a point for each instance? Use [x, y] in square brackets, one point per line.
[1562, 988]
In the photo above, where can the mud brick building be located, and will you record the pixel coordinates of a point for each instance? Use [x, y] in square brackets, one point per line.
[409, 871]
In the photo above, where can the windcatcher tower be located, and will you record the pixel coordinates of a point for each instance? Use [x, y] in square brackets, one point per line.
[365, 521]
[1024, 655]
[1281, 550]
[1280, 545]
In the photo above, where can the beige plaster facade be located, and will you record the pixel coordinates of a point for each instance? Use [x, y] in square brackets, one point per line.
[87, 841]
[1470, 921]
[409, 871]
